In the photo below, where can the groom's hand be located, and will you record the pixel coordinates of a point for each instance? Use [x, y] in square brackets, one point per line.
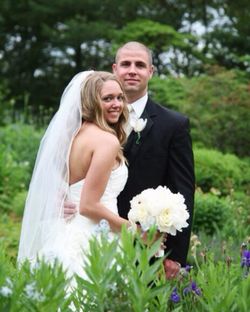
[172, 268]
[69, 210]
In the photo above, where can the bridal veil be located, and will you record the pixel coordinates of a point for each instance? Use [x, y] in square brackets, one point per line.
[50, 180]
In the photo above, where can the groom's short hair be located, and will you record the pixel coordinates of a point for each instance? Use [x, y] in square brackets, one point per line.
[135, 44]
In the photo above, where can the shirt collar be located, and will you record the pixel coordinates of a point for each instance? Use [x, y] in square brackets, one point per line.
[139, 105]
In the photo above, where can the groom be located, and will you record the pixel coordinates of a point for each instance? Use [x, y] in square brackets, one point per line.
[163, 155]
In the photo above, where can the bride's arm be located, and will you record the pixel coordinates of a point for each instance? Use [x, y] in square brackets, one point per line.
[102, 163]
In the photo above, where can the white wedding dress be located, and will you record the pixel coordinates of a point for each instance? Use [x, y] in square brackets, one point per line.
[69, 240]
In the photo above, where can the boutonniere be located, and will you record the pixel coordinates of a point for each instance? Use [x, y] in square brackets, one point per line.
[138, 126]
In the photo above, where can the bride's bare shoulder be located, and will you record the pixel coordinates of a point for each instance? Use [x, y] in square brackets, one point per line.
[92, 133]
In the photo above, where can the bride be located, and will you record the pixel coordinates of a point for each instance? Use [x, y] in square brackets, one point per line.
[80, 158]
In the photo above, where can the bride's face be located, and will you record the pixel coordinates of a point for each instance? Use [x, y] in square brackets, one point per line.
[112, 101]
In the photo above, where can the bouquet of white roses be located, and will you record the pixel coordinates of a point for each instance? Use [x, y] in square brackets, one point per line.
[161, 208]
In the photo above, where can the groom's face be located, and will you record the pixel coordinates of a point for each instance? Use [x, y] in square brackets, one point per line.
[133, 69]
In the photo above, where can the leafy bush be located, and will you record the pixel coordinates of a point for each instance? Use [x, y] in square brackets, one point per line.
[217, 104]
[22, 142]
[14, 178]
[237, 223]
[10, 227]
[220, 110]
[6, 106]
[18, 203]
[169, 92]
[225, 172]
[209, 212]
[18, 148]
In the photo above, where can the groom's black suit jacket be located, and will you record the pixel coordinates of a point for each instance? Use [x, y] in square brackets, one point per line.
[163, 157]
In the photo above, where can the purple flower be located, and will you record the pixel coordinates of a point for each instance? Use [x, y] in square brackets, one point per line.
[192, 287]
[188, 268]
[195, 289]
[186, 290]
[174, 297]
[245, 259]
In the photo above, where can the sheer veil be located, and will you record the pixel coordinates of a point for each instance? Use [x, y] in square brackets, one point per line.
[49, 184]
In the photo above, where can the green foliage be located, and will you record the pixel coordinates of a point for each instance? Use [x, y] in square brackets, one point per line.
[224, 172]
[14, 177]
[6, 106]
[42, 288]
[168, 91]
[18, 203]
[18, 148]
[10, 227]
[222, 196]
[151, 33]
[21, 141]
[230, 43]
[209, 213]
[222, 287]
[44, 43]
[237, 222]
[119, 277]
[217, 105]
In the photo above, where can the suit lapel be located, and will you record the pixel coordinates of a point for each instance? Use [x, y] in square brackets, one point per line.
[132, 148]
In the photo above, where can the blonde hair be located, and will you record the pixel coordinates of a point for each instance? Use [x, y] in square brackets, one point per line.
[92, 109]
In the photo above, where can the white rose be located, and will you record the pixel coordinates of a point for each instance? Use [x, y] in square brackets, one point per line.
[163, 220]
[161, 207]
[139, 124]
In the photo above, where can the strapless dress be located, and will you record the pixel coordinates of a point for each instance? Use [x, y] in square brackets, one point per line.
[70, 240]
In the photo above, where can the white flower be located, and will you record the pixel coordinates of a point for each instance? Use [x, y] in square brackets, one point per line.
[139, 124]
[102, 227]
[5, 291]
[159, 207]
[32, 292]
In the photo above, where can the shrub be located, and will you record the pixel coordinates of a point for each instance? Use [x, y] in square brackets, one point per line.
[225, 172]
[14, 178]
[9, 234]
[169, 92]
[22, 142]
[237, 223]
[209, 212]
[18, 203]
[18, 148]
[217, 104]
[219, 107]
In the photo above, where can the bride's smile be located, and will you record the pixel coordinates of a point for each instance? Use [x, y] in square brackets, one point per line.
[112, 100]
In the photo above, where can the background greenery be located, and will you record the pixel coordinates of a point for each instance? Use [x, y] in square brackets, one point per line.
[201, 53]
